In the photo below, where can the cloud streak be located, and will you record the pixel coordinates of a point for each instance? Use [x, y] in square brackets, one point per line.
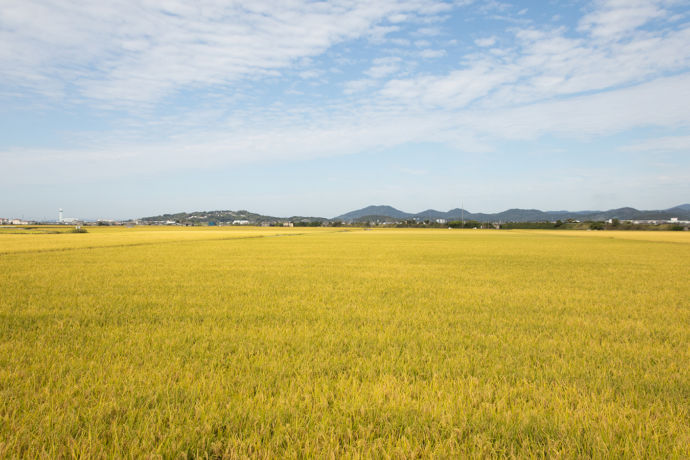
[610, 74]
[126, 52]
[376, 129]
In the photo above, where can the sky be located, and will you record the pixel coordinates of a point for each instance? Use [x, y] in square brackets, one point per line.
[132, 108]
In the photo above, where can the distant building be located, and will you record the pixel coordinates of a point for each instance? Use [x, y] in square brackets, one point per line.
[441, 221]
[288, 224]
[240, 222]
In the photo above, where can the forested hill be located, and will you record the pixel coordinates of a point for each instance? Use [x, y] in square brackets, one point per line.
[382, 212]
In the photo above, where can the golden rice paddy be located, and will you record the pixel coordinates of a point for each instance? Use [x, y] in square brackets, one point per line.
[287, 343]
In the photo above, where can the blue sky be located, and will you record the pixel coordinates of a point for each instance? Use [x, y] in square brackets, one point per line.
[133, 108]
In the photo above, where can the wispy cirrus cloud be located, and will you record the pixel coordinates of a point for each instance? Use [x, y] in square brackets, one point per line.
[659, 144]
[613, 19]
[611, 73]
[485, 42]
[383, 67]
[548, 63]
[291, 137]
[139, 52]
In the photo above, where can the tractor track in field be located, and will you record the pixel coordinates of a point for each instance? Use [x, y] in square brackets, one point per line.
[154, 243]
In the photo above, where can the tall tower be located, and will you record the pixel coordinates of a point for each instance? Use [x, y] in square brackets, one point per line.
[60, 215]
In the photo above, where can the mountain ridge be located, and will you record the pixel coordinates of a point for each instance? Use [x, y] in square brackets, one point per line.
[384, 212]
[533, 215]
[523, 215]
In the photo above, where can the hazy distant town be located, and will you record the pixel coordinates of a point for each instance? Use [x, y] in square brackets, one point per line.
[676, 218]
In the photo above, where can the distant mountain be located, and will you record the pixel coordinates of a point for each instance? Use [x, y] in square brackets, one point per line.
[682, 207]
[371, 218]
[432, 214]
[387, 211]
[382, 213]
[227, 216]
[632, 214]
[522, 215]
[515, 215]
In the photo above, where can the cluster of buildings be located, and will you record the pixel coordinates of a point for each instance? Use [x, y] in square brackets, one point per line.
[211, 223]
[65, 221]
[61, 220]
[204, 220]
[4, 221]
[672, 220]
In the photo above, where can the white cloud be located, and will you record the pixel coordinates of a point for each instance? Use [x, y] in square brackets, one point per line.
[614, 18]
[432, 54]
[414, 171]
[485, 42]
[356, 86]
[132, 52]
[545, 82]
[311, 73]
[400, 41]
[383, 67]
[296, 135]
[429, 31]
[660, 103]
[660, 144]
[543, 64]
[454, 90]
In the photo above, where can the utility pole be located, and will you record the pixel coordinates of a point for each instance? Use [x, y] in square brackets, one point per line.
[462, 211]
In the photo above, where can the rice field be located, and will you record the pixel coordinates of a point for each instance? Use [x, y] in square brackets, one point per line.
[308, 342]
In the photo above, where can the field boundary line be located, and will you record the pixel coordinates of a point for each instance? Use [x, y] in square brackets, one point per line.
[564, 233]
[153, 243]
[147, 243]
